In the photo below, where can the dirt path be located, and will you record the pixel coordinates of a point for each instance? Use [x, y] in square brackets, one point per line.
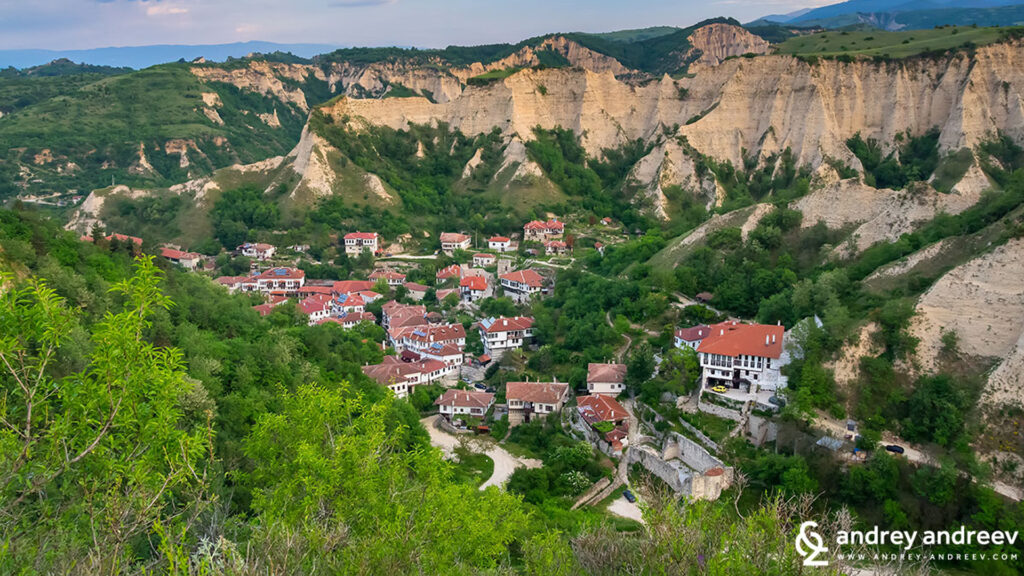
[626, 509]
[912, 453]
[504, 462]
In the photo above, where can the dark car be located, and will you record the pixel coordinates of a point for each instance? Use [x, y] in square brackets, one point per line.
[780, 402]
[629, 496]
[895, 449]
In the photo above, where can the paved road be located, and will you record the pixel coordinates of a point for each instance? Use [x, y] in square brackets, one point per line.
[504, 462]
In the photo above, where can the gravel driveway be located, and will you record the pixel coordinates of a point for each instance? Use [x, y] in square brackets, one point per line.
[504, 462]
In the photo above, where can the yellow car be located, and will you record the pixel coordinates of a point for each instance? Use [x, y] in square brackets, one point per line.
[720, 389]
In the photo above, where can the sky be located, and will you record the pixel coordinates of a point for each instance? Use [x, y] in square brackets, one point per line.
[81, 24]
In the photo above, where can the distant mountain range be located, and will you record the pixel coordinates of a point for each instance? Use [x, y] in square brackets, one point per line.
[904, 14]
[145, 56]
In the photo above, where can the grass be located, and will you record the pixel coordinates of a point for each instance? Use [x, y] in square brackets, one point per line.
[901, 44]
[473, 469]
[492, 76]
[712, 426]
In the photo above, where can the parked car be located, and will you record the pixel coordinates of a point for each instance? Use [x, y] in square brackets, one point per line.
[629, 496]
[895, 449]
[780, 402]
[720, 389]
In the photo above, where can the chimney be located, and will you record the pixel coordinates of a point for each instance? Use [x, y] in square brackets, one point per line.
[773, 338]
[765, 339]
[721, 332]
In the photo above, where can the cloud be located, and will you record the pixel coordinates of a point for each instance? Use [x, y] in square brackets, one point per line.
[162, 10]
[354, 3]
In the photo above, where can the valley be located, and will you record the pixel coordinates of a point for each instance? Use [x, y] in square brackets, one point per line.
[794, 254]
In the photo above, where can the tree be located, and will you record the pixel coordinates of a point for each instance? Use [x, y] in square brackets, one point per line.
[640, 366]
[327, 458]
[107, 443]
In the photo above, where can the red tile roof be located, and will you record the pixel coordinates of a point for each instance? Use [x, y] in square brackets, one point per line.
[314, 304]
[453, 271]
[735, 339]
[501, 239]
[693, 333]
[606, 373]
[346, 286]
[529, 277]
[282, 274]
[600, 408]
[361, 236]
[414, 287]
[537, 392]
[453, 238]
[477, 283]
[503, 324]
[173, 254]
[465, 399]
[438, 333]
[123, 238]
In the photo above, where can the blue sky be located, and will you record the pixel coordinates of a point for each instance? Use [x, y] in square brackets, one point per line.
[76, 24]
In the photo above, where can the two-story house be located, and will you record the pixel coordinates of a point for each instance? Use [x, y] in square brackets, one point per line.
[528, 400]
[500, 244]
[452, 241]
[691, 337]
[358, 242]
[608, 379]
[393, 278]
[187, 260]
[281, 280]
[257, 250]
[539, 230]
[419, 338]
[473, 288]
[500, 334]
[523, 284]
[454, 403]
[484, 260]
[555, 247]
[747, 355]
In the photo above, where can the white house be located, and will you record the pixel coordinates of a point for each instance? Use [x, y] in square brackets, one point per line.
[522, 284]
[358, 242]
[691, 337]
[393, 278]
[317, 307]
[736, 354]
[500, 334]
[449, 354]
[555, 247]
[455, 403]
[187, 260]
[608, 379]
[402, 377]
[419, 338]
[284, 280]
[540, 230]
[451, 241]
[534, 399]
[484, 260]
[473, 288]
[258, 250]
[499, 244]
